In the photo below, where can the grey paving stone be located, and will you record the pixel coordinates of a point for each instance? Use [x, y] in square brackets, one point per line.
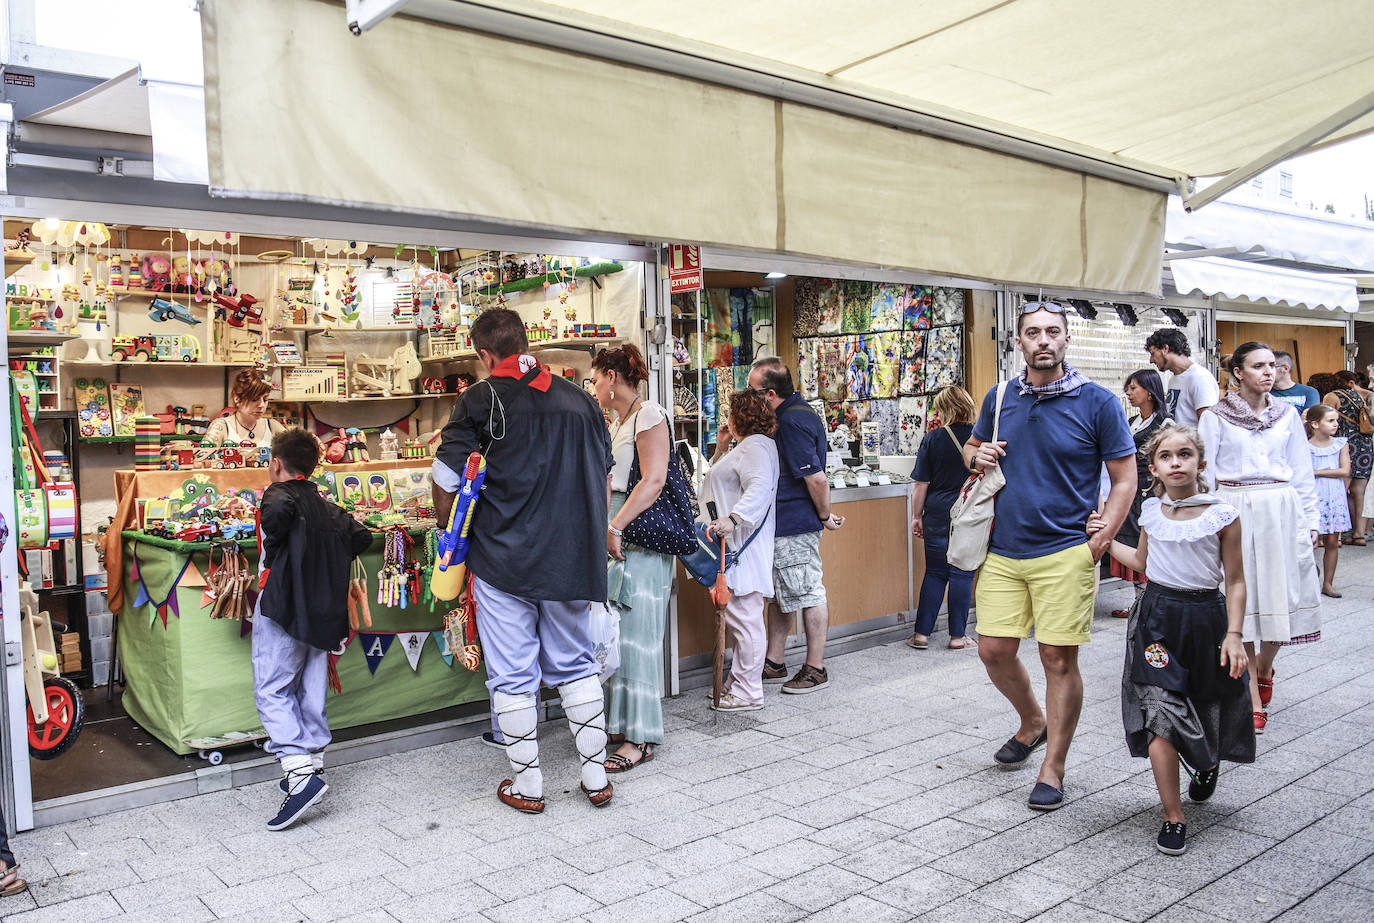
[792, 858]
[820, 887]
[966, 910]
[462, 901]
[859, 908]
[1241, 900]
[253, 896]
[1071, 912]
[854, 834]
[656, 904]
[165, 890]
[362, 895]
[1335, 903]
[624, 881]
[884, 861]
[1360, 876]
[1024, 893]
[921, 890]
[699, 856]
[721, 885]
[186, 909]
[91, 907]
[756, 908]
[95, 879]
[553, 905]
[1129, 897]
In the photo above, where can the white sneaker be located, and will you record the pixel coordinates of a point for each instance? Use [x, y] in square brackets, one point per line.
[728, 703]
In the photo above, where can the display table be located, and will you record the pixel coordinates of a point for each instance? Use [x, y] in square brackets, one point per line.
[193, 678]
[872, 568]
[189, 676]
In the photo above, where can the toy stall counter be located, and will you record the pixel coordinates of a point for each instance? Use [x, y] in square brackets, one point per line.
[189, 675]
[131, 486]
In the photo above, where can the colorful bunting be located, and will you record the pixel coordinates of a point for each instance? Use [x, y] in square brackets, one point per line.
[441, 642]
[413, 643]
[375, 646]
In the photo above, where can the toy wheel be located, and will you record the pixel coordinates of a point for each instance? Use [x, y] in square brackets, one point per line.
[187, 359]
[215, 757]
[119, 355]
[259, 744]
[66, 714]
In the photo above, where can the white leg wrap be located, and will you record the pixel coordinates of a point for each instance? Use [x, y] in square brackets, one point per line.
[317, 761]
[297, 770]
[518, 716]
[586, 711]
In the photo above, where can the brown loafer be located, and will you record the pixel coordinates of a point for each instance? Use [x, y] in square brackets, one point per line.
[599, 798]
[520, 802]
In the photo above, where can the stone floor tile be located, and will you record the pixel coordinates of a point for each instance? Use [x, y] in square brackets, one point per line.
[166, 890]
[91, 907]
[966, 910]
[721, 885]
[884, 861]
[462, 901]
[252, 896]
[655, 904]
[1024, 893]
[754, 908]
[362, 895]
[859, 909]
[1335, 903]
[920, 890]
[625, 881]
[550, 906]
[820, 887]
[1239, 899]
[1129, 897]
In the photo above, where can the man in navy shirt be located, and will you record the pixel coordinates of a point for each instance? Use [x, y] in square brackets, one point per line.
[1289, 391]
[802, 511]
[1056, 430]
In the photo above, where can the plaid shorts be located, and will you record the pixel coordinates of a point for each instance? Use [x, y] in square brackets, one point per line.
[797, 576]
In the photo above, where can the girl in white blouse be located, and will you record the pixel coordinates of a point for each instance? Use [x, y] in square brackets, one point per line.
[742, 484]
[1184, 694]
[1260, 464]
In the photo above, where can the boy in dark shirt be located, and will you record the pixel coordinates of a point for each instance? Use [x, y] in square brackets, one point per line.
[308, 546]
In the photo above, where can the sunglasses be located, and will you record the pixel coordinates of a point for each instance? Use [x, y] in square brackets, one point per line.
[1030, 307]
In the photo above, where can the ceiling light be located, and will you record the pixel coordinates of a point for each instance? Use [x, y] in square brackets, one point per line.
[776, 275]
[1126, 313]
[1084, 308]
[1177, 317]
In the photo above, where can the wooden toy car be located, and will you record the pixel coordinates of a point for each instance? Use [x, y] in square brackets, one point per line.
[163, 310]
[157, 347]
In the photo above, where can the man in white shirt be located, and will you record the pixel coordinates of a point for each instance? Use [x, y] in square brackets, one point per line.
[1191, 388]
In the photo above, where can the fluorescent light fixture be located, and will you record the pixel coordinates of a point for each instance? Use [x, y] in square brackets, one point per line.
[776, 275]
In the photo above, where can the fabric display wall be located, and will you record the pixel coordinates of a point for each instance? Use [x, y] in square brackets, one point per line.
[876, 351]
[734, 328]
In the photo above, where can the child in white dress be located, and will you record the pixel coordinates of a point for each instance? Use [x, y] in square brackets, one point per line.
[1331, 467]
[1184, 692]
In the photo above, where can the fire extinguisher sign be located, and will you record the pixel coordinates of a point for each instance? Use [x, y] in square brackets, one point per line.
[684, 268]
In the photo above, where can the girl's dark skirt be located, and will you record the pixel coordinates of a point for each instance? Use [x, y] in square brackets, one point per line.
[1174, 686]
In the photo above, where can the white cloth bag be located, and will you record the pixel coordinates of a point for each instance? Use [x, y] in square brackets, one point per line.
[970, 518]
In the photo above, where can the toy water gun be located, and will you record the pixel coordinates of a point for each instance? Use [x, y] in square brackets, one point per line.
[449, 568]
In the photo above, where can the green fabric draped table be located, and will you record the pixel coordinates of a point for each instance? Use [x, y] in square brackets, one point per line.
[193, 678]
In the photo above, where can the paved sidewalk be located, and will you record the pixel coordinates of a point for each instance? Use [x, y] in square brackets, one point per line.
[874, 800]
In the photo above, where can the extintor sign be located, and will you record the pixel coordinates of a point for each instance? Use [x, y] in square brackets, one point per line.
[684, 268]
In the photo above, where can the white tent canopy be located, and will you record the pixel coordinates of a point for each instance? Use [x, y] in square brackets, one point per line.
[1236, 280]
[1301, 237]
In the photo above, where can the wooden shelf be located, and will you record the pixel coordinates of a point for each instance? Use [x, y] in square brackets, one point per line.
[20, 257]
[206, 300]
[587, 343]
[553, 278]
[312, 328]
[29, 299]
[30, 338]
[106, 363]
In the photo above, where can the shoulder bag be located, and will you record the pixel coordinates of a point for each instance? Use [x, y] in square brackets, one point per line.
[958, 447]
[669, 525]
[1353, 398]
[704, 561]
[970, 518]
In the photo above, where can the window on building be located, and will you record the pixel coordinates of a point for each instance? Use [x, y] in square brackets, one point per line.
[1257, 182]
[1286, 185]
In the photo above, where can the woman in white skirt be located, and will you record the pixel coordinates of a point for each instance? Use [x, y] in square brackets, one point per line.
[1260, 465]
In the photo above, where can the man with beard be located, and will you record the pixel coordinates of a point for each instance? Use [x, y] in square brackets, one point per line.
[1056, 430]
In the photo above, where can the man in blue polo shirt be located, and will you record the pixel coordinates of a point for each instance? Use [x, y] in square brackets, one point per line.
[802, 511]
[1056, 430]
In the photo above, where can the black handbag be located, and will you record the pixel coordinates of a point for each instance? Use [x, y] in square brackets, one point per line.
[669, 525]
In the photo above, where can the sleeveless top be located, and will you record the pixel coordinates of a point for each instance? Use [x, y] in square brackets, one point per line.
[1185, 554]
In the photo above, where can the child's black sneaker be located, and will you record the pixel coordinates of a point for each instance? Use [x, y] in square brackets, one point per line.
[1203, 784]
[296, 803]
[1171, 839]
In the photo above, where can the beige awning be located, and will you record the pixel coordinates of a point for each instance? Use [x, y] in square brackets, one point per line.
[420, 117]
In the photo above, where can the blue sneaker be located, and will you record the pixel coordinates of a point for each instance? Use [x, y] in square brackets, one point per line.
[294, 805]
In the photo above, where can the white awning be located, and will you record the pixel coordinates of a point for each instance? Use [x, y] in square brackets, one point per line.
[516, 131]
[1238, 280]
[1302, 237]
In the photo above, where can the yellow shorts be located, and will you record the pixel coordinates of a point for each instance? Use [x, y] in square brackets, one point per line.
[1053, 594]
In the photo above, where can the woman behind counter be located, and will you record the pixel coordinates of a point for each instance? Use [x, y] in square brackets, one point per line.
[246, 423]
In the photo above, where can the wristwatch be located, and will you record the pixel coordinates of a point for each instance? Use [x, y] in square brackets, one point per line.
[733, 518]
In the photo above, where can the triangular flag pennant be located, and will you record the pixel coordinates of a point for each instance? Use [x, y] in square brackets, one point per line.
[192, 577]
[375, 646]
[441, 642]
[133, 569]
[142, 596]
[413, 643]
[162, 611]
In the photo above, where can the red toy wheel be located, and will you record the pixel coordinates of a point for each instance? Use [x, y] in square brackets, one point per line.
[66, 714]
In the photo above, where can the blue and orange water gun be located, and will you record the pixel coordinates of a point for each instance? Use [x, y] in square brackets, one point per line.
[449, 569]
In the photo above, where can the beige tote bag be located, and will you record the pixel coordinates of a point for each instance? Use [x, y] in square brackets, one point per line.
[970, 518]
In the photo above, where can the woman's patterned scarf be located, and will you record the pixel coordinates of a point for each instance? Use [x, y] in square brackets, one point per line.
[1234, 410]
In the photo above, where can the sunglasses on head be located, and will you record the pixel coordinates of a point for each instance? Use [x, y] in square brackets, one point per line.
[1030, 307]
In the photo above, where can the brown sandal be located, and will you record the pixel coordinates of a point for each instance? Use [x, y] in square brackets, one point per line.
[617, 763]
[601, 797]
[520, 802]
[10, 883]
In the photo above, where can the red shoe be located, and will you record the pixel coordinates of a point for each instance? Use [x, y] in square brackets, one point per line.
[1261, 719]
[1266, 689]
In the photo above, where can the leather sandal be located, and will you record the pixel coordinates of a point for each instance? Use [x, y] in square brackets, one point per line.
[601, 797]
[10, 882]
[617, 763]
[520, 802]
